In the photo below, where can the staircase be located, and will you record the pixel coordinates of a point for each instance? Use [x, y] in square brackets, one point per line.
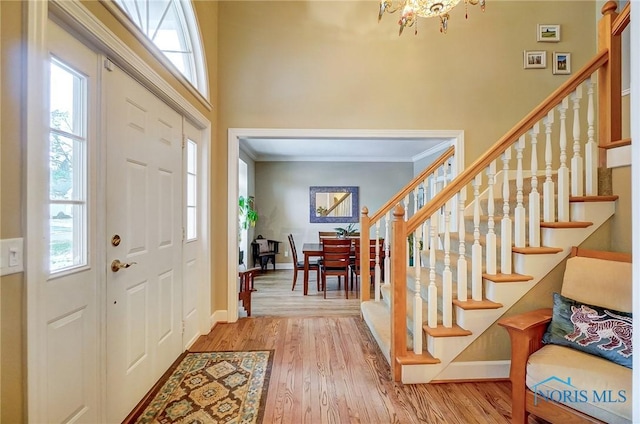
[461, 249]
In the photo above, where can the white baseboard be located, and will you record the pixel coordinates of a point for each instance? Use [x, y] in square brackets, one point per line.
[218, 316]
[476, 370]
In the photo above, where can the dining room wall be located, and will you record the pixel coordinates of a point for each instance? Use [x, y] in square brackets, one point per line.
[282, 195]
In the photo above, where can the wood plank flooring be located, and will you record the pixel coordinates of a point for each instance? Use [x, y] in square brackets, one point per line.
[327, 367]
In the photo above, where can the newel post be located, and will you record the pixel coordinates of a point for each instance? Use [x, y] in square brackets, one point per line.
[398, 292]
[365, 277]
[609, 81]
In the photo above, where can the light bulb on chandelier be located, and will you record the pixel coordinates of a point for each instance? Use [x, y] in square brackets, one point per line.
[414, 9]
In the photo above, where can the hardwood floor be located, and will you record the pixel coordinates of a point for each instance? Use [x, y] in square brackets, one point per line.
[274, 297]
[327, 367]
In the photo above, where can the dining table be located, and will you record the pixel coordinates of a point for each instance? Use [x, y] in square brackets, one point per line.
[309, 250]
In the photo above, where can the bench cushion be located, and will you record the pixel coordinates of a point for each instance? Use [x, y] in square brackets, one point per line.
[598, 282]
[587, 383]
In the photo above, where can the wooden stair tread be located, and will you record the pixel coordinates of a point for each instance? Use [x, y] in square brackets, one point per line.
[571, 224]
[411, 358]
[469, 305]
[536, 250]
[507, 278]
[442, 331]
[609, 198]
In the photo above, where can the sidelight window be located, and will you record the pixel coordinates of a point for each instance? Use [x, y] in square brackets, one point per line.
[68, 235]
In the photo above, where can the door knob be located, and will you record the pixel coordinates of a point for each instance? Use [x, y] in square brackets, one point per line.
[116, 265]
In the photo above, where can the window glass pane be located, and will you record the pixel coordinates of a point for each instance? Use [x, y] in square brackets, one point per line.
[66, 244]
[164, 22]
[66, 112]
[192, 153]
[191, 223]
[61, 160]
[191, 190]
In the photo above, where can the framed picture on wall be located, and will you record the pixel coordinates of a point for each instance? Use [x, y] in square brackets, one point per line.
[535, 59]
[548, 33]
[561, 63]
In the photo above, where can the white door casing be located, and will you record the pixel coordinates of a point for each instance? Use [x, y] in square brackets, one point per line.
[144, 209]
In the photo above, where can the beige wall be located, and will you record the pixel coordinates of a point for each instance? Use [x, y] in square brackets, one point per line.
[324, 64]
[12, 360]
[282, 194]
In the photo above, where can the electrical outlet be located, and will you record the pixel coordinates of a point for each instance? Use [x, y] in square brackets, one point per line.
[286, 253]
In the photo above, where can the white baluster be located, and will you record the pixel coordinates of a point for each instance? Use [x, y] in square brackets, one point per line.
[505, 224]
[432, 292]
[563, 171]
[415, 199]
[490, 239]
[476, 249]
[591, 149]
[577, 167]
[417, 298]
[549, 187]
[387, 259]
[377, 277]
[519, 213]
[447, 295]
[406, 217]
[534, 196]
[462, 260]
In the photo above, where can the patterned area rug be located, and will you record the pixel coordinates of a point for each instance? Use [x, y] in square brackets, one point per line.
[212, 387]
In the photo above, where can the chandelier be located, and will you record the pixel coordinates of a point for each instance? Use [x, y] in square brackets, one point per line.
[413, 9]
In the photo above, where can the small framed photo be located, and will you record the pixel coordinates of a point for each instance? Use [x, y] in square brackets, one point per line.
[535, 59]
[548, 33]
[561, 63]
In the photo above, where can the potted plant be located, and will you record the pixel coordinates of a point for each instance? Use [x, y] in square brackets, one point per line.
[247, 217]
[347, 231]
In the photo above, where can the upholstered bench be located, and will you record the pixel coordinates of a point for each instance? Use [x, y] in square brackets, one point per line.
[572, 363]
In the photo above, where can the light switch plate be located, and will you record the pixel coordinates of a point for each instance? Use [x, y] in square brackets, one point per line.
[11, 256]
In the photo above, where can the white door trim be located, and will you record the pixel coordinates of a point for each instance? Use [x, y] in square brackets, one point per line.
[34, 195]
[35, 164]
[233, 154]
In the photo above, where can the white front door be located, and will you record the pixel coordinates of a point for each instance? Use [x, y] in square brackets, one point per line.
[144, 233]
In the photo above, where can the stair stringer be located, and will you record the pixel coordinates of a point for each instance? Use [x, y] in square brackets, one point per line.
[446, 349]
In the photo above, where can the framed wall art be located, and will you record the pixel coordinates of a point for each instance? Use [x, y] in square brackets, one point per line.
[548, 33]
[561, 63]
[535, 59]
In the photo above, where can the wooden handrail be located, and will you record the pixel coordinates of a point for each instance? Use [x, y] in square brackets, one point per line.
[617, 143]
[507, 140]
[412, 184]
[622, 20]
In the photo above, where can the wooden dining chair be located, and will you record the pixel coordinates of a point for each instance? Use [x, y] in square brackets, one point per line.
[336, 261]
[355, 267]
[322, 235]
[299, 265]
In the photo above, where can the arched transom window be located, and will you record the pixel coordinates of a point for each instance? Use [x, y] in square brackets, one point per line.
[171, 25]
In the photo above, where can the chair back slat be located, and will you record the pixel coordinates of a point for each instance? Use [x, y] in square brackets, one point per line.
[294, 253]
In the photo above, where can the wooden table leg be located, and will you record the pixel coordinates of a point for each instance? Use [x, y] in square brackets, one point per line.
[306, 274]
